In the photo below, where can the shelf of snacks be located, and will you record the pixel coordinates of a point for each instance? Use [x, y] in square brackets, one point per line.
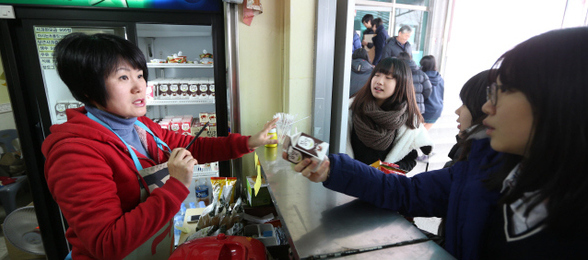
[179, 65]
[179, 102]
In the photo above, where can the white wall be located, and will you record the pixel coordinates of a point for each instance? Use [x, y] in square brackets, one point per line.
[482, 30]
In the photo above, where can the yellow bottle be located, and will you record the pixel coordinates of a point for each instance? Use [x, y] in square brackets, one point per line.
[273, 136]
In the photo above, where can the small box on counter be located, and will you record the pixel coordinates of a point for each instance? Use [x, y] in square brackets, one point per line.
[300, 146]
[263, 197]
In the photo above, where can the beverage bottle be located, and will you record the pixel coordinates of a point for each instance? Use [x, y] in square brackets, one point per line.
[202, 191]
[274, 136]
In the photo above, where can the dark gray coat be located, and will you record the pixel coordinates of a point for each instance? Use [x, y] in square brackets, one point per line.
[422, 85]
[392, 48]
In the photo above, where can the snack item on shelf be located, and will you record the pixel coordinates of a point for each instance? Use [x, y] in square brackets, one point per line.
[211, 88]
[206, 58]
[174, 89]
[73, 104]
[186, 125]
[60, 107]
[300, 146]
[163, 90]
[193, 89]
[203, 89]
[387, 167]
[203, 117]
[158, 61]
[177, 58]
[184, 88]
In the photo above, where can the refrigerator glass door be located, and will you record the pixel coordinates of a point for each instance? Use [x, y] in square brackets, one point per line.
[181, 87]
[58, 96]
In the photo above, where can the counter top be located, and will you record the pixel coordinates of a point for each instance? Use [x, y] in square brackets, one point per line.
[321, 222]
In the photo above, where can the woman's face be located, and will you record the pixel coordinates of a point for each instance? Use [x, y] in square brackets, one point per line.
[382, 87]
[464, 118]
[126, 91]
[509, 121]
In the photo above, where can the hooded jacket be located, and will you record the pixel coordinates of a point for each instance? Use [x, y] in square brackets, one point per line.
[422, 85]
[434, 104]
[360, 74]
[94, 181]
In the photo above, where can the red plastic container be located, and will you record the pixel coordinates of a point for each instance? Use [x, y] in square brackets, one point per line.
[221, 247]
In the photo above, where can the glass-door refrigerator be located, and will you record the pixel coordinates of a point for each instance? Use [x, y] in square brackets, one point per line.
[187, 85]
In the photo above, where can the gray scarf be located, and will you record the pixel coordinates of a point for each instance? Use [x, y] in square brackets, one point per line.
[377, 128]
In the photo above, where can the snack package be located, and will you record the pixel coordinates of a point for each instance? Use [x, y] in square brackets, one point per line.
[223, 187]
[300, 146]
[387, 167]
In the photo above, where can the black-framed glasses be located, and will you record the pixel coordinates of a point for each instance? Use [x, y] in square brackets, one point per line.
[491, 93]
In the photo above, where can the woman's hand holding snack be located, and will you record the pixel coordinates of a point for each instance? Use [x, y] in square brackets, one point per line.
[181, 165]
[262, 138]
[307, 165]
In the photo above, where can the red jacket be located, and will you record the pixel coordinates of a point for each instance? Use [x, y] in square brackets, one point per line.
[94, 181]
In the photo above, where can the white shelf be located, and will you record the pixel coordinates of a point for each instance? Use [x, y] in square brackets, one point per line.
[179, 65]
[179, 102]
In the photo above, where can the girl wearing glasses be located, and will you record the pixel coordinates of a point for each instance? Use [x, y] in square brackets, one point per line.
[384, 119]
[528, 199]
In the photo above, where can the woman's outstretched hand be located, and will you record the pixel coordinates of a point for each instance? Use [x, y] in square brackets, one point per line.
[181, 165]
[307, 165]
[262, 138]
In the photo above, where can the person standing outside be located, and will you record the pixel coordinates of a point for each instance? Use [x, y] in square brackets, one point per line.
[361, 69]
[366, 20]
[433, 104]
[396, 45]
[379, 40]
[421, 82]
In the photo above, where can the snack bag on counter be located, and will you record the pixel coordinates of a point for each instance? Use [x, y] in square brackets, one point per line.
[387, 167]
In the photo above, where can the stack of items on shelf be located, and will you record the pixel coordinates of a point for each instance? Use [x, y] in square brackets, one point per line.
[188, 125]
[194, 89]
[62, 105]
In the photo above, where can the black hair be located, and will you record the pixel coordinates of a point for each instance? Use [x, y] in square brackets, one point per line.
[85, 61]
[404, 91]
[473, 96]
[428, 63]
[360, 53]
[377, 22]
[554, 83]
[405, 29]
[404, 56]
[367, 18]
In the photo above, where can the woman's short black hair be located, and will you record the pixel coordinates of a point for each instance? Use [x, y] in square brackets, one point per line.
[360, 53]
[85, 61]
[428, 63]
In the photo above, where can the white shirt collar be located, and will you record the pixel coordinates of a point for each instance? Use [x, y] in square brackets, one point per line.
[522, 223]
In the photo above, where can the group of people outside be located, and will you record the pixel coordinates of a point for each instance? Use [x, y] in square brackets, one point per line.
[515, 187]
[429, 91]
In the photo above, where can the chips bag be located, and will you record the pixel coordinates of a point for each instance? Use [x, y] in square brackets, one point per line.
[387, 167]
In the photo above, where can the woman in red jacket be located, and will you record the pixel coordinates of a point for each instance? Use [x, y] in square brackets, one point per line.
[96, 162]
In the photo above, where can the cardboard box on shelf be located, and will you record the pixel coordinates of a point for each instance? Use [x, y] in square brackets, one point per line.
[263, 197]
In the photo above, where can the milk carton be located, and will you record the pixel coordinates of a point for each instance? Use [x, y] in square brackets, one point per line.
[301, 146]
